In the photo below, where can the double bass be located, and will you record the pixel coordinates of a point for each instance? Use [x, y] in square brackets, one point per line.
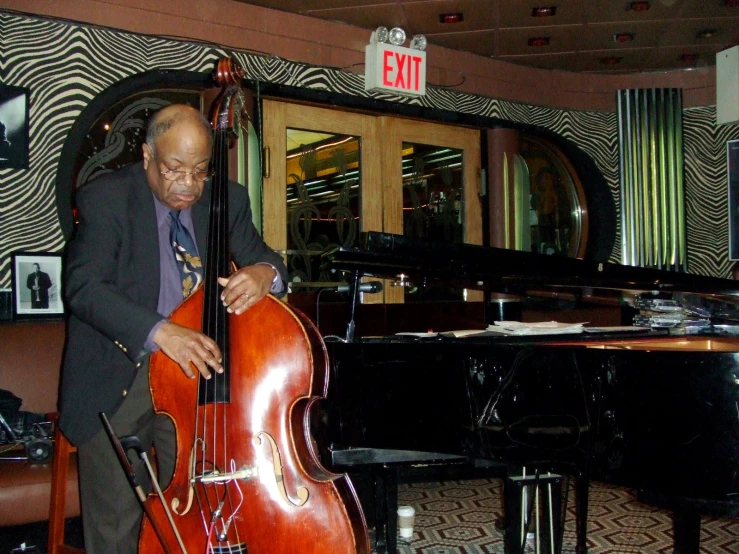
[247, 476]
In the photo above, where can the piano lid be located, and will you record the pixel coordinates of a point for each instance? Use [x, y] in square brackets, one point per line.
[509, 271]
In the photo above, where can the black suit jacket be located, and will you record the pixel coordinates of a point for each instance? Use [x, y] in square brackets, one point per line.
[112, 288]
[44, 284]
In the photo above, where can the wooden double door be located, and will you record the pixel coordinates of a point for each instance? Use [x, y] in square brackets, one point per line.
[331, 174]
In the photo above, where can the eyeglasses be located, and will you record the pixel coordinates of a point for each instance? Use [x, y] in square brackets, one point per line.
[172, 175]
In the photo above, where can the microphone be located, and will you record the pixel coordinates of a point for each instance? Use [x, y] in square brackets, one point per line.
[370, 287]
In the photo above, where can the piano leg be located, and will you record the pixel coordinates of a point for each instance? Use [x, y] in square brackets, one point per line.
[686, 516]
[385, 479]
[582, 483]
[686, 526]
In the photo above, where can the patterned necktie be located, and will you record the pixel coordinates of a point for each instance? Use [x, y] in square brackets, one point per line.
[191, 269]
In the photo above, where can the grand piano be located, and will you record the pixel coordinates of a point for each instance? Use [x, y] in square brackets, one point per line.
[655, 409]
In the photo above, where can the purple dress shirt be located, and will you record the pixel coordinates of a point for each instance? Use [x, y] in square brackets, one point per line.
[170, 285]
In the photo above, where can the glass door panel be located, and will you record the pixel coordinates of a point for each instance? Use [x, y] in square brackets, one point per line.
[323, 199]
[436, 194]
[321, 186]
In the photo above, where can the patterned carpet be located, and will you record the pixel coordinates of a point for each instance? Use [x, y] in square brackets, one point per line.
[458, 517]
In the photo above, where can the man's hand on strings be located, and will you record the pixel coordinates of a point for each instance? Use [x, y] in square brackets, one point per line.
[189, 348]
[246, 287]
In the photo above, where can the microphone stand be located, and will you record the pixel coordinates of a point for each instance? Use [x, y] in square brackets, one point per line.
[354, 300]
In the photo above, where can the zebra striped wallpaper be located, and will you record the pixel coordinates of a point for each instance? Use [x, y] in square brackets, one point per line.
[706, 191]
[66, 65]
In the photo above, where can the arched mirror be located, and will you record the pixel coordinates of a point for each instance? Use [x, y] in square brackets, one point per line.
[558, 213]
[115, 138]
[109, 132]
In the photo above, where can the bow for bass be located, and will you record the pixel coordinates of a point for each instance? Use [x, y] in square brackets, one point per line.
[121, 446]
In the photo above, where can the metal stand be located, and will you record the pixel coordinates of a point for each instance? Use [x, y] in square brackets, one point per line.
[38, 448]
[533, 505]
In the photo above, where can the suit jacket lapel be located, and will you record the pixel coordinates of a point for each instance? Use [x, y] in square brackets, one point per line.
[200, 213]
[146, 238]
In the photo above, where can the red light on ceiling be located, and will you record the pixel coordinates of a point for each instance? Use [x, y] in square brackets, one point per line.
[544, 11]
[539, 41]
[688, 58]
[457, 17]
[623, 37]
[611, 61]
[639, 6]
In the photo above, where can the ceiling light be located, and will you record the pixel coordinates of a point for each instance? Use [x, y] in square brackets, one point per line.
[456, 17]
[544, 12]
[418, 42]
[707, 33]
[397, 36]
[613, 60]
[639, 6]
[623, 37]
[539, 41]
[379, 35]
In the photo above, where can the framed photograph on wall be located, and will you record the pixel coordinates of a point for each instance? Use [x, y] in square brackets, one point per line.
[732, 169]
[37, 285]
[14, 127]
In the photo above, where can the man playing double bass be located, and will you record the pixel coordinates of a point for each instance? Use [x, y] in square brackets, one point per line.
[136, 254]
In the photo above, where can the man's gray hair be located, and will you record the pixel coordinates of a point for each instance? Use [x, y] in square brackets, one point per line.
[158, 124]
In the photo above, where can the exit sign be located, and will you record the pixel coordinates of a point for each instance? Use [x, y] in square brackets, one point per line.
[394, 68]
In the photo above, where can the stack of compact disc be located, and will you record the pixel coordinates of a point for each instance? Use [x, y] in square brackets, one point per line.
[661, 313]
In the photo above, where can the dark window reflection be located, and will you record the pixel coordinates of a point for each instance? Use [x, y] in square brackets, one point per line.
[432, 193]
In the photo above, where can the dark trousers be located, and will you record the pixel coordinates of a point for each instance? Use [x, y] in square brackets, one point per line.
[111, 513]
[39, 304]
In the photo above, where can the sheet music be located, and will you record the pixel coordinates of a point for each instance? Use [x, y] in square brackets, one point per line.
[536, 328]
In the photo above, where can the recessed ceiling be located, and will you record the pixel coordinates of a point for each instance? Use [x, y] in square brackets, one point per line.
[582, 35]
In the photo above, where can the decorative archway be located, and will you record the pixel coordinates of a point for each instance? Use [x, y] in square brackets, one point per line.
[148, 91]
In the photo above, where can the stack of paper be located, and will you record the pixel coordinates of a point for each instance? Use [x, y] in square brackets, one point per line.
[538, 328]
[463, 333]
[455, 334]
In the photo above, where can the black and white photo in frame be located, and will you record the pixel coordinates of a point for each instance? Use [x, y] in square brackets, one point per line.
[37, 285]
[14, 127]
